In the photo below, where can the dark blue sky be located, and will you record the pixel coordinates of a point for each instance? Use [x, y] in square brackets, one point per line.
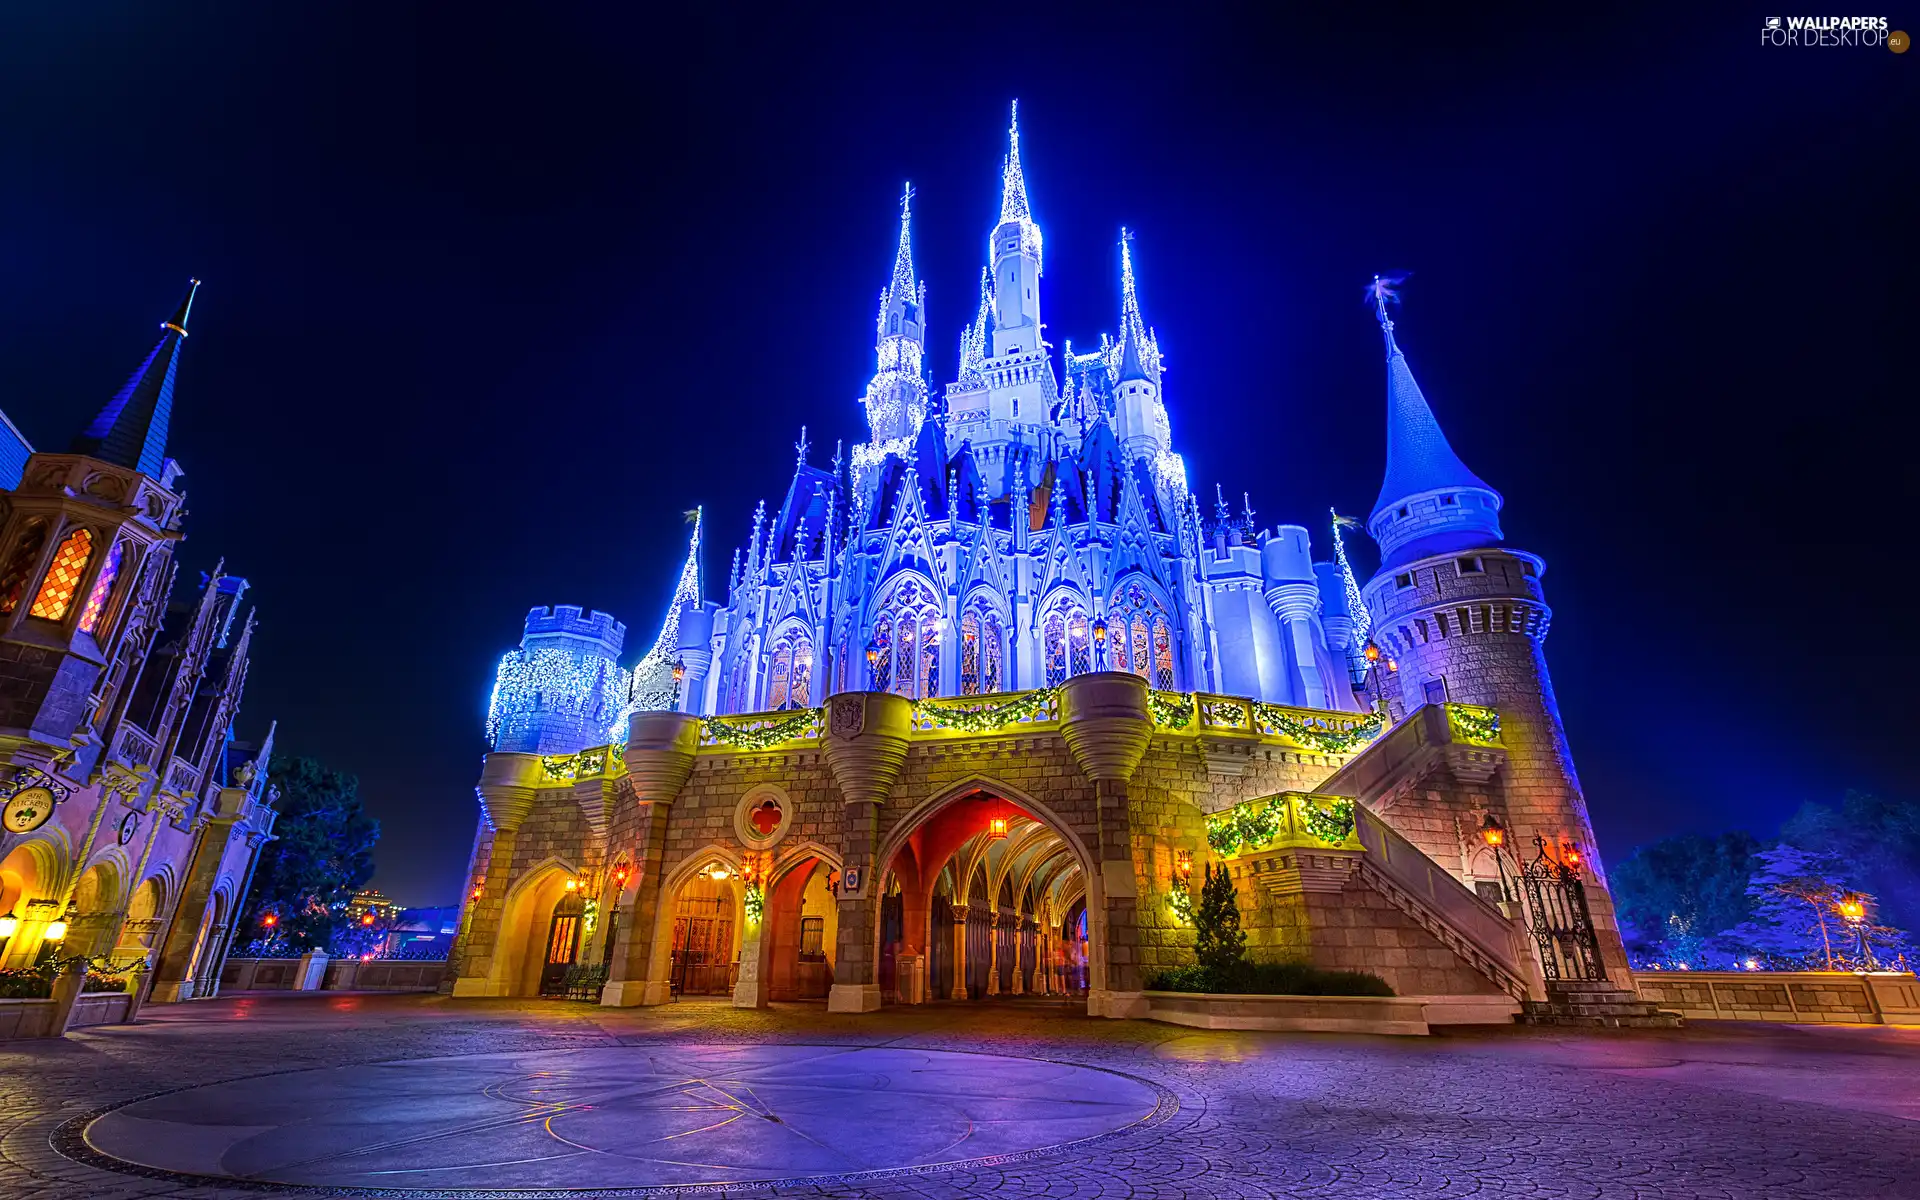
[491, 298]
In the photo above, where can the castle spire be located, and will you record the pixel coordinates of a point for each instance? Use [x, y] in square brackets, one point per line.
[132, 429]
[973, 339]
[896, 396]
[902, 283]
[1013, 182]
[1422, 469]
[1139, 356]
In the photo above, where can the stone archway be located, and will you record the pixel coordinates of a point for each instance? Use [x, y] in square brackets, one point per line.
[520, 949]
[788, 954]
[982, 837]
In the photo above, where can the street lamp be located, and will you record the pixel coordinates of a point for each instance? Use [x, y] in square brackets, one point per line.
[1494, 834]
[1853, 907]
[1099, 643]
[9, 924]
[873, 665]
[679, 673]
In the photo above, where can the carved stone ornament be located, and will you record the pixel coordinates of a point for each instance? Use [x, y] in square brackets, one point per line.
[848, 718]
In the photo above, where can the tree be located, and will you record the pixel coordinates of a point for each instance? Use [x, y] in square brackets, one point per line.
[1878, 840]
[1796, 908]
[1676, 896]
[1220, 944]
[322, 853]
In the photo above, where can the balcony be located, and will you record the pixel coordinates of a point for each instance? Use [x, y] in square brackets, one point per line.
[134, 747]
[183, 779]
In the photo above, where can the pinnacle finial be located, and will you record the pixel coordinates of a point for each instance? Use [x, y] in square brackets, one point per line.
[1139, 356]
[800, 449]
[1013, 181]
[1220, 508]
[902, 285]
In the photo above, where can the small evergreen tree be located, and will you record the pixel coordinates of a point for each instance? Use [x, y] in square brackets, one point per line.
[1221, 945]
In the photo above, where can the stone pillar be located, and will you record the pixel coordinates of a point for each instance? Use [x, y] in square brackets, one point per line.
[993, 950]
[312, 971]
[171, 979]
[866, 745]
[1107, 727]
[506, 788]
[661, 747]
[959, 991]
[67, 987]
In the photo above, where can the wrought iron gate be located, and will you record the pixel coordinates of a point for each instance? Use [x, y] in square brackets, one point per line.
[1557, 917]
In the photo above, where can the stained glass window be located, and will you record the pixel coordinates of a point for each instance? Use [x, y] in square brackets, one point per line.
[990, 674]
[96, 606]
[1077, 643]
[63, 577]
[14, 580]
[1137, 645]
[802, 691]
[883, 660]
[777, 677]
[1056, 649]
[930, 655]
[970, 654]
[1162, 655]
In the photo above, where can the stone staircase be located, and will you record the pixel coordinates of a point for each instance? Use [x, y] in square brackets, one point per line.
[1595, 1004]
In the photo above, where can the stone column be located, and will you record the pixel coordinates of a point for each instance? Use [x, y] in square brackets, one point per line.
[661, 747]
[1107, 727]
[959, 934]
[866, 745]
[993, 950]
[506, 789]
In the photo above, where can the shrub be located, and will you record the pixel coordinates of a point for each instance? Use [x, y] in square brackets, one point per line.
[1219, 944]
[25, 985]
[1269, 979]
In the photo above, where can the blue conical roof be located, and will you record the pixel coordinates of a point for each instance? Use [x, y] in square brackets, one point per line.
[1419, 458]
[132, 429]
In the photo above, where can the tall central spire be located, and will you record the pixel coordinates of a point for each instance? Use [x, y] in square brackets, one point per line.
[1013, 184]
[903, 281]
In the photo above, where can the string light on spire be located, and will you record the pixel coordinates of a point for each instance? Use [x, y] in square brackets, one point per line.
[800, 448]
[652, 686]
[1014, 208]
[1356, 606]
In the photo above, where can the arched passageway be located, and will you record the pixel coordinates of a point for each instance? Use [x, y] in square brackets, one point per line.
[974, 902]
[703, 952]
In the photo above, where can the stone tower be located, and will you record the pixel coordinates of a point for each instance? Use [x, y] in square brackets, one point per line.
[561, 691]
[1463, 618]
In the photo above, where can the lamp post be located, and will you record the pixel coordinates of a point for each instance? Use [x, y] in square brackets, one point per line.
[873, 666]
[1853, 909]
[679, 673]
[1494, 834]
[1099, 643]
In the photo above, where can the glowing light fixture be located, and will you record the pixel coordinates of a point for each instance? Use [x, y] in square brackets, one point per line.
[1182, 863]
[1373, 653]
[1492, 831]
[1853, 908]
[57, 929]
[996, 828]
[269, 920]
[718, 872]
[9, 924]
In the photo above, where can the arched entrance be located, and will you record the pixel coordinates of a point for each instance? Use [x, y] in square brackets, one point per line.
[563, 943]
[143, 921]
[526, 929]
[968, 881]
[706, 919]
[799, 928]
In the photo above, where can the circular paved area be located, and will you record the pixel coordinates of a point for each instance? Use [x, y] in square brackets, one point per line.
[625, 1117]
[1718, 1110]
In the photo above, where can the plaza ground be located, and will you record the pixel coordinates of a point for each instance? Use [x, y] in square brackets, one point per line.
[950, 1100]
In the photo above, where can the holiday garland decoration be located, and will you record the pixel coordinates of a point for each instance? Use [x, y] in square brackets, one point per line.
[1180, 900]
[762, 737]
[1172, 710]
[756, 903]
[1332, 824]
[1248, 825]
[984, 718]
[1473, 723]
[1329, 741]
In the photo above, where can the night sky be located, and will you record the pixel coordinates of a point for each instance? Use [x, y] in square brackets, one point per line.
[491, 300]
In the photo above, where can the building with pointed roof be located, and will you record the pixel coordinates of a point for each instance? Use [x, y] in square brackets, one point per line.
[134, 817]
[975, 693]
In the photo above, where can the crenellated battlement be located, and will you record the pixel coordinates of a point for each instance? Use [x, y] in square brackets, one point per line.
[566, 620]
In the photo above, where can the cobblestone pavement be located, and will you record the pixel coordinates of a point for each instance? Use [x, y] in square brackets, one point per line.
[1717, 1110]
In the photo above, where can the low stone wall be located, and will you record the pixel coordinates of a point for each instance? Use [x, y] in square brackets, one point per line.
[1412, 1015]
[384, 975]
[1804, 997]
[34, 1018]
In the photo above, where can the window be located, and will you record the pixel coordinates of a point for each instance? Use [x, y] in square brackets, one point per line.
[980, 650]
[1436, 691]
[1528, 569]
[1140, 638]
[1449, 499]
[790, 671]
[96, 605]
[1067, 646]
[1470, 566]
[908, 638]
[1405, 511]
[1404, 580]
[63, 577]
[13, 581]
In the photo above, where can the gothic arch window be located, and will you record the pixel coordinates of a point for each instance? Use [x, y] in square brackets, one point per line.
[63, 576]
[790, 672]
[982, 650]
[1067, 648]
[893, 323]
[739, 696]
[907, 636]
[13, 581]
[1141, 637]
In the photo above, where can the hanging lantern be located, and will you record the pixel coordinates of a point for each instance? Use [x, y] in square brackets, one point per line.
[1100, 631]
[873, 655]
[996, 828]
[1493, 832]
[573, 884]
[718, 872]
[679, 671]
[1373, 653]
[1182, 863]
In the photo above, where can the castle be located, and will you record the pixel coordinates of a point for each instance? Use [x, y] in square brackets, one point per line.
[132, 820]
[981, 698]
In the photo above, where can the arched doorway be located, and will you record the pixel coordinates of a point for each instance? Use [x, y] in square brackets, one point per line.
[562, 944]
[799, 930]
[19, 883]
[1073, 949]
[143, 921]
[706, 911]
[968, 877]
[526, 928]
[95, 904]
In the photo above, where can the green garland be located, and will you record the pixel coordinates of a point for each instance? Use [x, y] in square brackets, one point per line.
[984, 718]
[559, 769]
[756, 903]
[1329, 741]
[1176, 713]
[1180, 900]
[762, 737]
[1474, 724]
[1244, 825]
[1332, 824]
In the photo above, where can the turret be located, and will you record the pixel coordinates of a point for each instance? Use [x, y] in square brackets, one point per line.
[1141, 411]
[1014, 251]
[562, 690]
[1313, 677]
[1430, 503]
[131, 431]
[896, 398]
[1465, 620]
